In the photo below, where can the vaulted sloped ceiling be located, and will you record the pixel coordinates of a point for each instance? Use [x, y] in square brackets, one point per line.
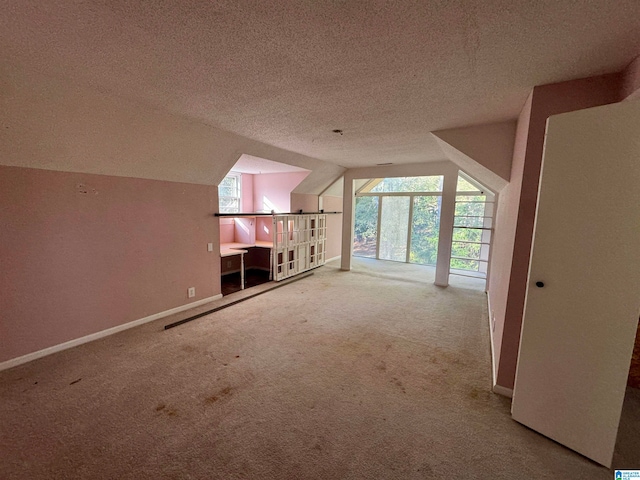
[288, 73]
[484, 151]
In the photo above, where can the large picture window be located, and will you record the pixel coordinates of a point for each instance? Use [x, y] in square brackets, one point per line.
[229, 194]
[399, 219]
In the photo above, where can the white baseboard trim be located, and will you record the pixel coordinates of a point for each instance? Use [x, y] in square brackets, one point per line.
[504, 391]
[498, 389]
[14, 362]
[332, 258]
[493, 350]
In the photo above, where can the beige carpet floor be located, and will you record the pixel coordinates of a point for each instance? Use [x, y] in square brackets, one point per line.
[369, 374]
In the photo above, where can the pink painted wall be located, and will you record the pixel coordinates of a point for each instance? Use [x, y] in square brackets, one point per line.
[83, 253]
[505, 229]
[227, 230]
[245, 230]
[246, 192]
[272, 191]
[264, 229]
[276, 188]
[334, 226]
[546, 100]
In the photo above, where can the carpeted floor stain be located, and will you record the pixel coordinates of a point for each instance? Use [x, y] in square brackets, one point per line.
[339, 376]
[167, 410]
[218, 396]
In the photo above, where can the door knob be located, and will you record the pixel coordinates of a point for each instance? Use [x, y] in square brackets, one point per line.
[539, 284]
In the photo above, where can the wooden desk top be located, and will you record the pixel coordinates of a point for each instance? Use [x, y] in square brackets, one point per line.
[234, 245]
[263, 244]
[227, 249]
[229, 252]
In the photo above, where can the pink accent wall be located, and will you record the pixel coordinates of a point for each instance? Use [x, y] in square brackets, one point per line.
[276, 189]
[264, 229]
[227, 230]
[246, 192]
[334, 226]
[245, 230]
[505, 229]
[546, 100]
[82, 253]
[272, 191]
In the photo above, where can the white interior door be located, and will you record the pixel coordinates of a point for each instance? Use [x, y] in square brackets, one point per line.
[579, 328]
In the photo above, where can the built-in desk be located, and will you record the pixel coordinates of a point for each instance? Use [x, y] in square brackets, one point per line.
[235, 248]
[296, 241]
[228, 251]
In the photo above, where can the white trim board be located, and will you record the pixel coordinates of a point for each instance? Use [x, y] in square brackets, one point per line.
[498, 389]
[493, 351]
[14, 362]
[504, 391]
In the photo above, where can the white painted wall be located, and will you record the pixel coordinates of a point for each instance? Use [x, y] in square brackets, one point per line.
[485, 151]
[578, 331]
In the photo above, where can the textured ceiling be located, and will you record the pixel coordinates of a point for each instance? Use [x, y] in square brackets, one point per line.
[287, 73]
[256, 165]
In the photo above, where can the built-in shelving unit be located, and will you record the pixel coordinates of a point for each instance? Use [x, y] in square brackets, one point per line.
[298, 243]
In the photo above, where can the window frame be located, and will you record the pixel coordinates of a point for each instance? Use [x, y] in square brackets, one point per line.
[237, 197]
[367, 190]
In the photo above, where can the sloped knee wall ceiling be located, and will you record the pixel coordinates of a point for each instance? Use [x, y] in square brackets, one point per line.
[483, 151]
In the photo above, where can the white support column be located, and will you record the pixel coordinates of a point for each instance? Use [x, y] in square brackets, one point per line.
[379, 222]
[409, 229]
[348, 210]
[447, 213]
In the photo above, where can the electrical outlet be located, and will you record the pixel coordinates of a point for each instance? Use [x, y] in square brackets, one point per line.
[191, 292]
[209, 247]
